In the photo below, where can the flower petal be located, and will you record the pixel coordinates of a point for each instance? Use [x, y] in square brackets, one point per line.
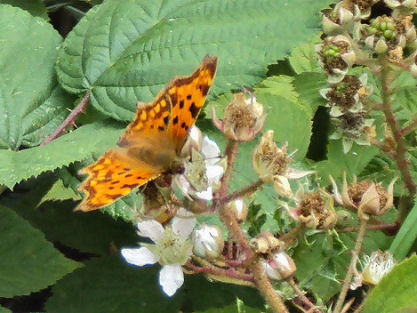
[139, 256]
[214, 173]
[209, 148]
[171, 278]
[151, 229]
[183, 223]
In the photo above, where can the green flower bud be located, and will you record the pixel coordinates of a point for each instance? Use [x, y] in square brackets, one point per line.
[372, 30]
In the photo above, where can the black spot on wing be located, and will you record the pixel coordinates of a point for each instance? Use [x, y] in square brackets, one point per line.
[160, 128]
[181, 104]
[115, 182]
[175, 120]
[193, 110]
[128, 175]
[204, 90]
[166, 120]
[188, 97]
[129, 186]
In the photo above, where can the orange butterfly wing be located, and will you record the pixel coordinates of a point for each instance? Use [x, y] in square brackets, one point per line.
[111, 177]
[151, 142]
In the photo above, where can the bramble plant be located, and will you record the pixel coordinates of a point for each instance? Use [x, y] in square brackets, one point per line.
[294, 191]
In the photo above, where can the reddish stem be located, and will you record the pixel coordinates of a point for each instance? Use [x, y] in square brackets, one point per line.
[69, 120]
[220, 272]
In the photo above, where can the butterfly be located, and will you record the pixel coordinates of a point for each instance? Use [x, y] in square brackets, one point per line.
[152, 142]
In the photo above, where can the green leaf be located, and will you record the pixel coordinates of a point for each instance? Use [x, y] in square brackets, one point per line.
[406, 236]
[304, 58]
[308, 85]
[59, 192]
[34, 7]
[397, 290]
[125, 51]
[4, 310]
[75, 146]
[28, 262]
[115, 286]
[92, 232]
[233, 309]
[32, 104]
[281, 85]
[337, 162]
[290, 121]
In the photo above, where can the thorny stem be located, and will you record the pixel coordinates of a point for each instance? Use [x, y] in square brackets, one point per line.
[391, 227]
[231, 153]
[288, 238]
[266, 289]
[69, 120]
[352, 266]
[244, 192]
[230, 273]
[401, 159]
[302, 297]
[381, 147]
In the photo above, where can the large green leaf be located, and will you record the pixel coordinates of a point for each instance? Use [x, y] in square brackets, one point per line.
[75, 146]
[406, 236]
[32, 104]
[92, 232]
[27, 261]
[125, 51]
[397, 290]
[35, 7]
[352, 163]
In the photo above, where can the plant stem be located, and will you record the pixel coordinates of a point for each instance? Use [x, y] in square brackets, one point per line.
[266, 289]
[69, 120]
[392, 227]
[352, 266]
[410, 128]
[302, 297]
[244, 192]
[400, 157]
[231, 153]
[219, 272]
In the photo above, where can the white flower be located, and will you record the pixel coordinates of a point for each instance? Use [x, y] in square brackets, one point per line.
[375, 267]
[172, 248]
[203, 173]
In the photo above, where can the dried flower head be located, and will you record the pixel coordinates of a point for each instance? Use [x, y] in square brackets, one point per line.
[243, 118]
[271, 164]
[313, 209]
[346, 95]
[336, 57]
[352, 127]
[368, 198]
[265, 243]
[337, 20]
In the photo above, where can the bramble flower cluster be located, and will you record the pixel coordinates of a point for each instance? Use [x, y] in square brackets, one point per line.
[356, 39]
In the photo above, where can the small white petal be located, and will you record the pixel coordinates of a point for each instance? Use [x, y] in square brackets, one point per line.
[294, 173]
[347, 145]
[171, 278]
[209, 148]
[214, 173]
[151, 229]
[139, 256]
[205, 194]
[183, 223]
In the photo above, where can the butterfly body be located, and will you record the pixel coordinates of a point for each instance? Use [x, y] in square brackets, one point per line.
[152, 143]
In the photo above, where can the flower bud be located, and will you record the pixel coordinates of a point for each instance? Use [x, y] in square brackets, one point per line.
[243, 118]
[239, 209]
[267, 159]
[368, 198]
[264, 243]
[280, 266]
[208, 241]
